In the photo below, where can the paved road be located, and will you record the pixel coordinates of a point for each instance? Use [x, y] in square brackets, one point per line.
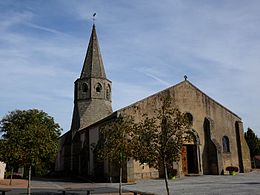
[241, 184]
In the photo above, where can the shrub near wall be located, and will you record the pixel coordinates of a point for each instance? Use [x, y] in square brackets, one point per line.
[233, 170]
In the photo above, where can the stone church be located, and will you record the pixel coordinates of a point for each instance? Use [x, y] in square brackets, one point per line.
[217, 142]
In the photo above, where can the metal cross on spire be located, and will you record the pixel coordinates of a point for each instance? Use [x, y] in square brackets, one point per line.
[94, 18]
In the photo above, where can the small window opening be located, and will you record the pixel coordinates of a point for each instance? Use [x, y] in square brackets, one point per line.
[225, 142]
[98, 88]
[189, 118]
[84, 87]
[108, 93]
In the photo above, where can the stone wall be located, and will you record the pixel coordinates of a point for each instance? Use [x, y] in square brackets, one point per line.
[190, 99]
[2, 170]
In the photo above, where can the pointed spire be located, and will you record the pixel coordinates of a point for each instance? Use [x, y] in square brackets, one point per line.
[93, 65]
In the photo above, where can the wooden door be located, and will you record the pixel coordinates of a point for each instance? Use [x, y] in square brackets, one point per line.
[184, 160]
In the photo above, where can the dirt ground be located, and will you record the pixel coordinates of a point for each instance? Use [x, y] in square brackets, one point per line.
[16, 183]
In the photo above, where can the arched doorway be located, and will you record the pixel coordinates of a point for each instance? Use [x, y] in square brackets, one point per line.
[190, 154]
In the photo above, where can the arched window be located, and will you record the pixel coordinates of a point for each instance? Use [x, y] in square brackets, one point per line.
[206, 127]
[98, 88]
[84, 87]
[108, 92]
[225, 142]
[189, 118]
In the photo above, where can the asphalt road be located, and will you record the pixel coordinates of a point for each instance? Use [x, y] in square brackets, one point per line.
[241, 184]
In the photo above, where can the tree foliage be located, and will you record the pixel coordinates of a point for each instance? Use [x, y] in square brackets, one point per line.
[158, 140]
[115, 142]
[161, 137]
[253, 142]
[29, 138]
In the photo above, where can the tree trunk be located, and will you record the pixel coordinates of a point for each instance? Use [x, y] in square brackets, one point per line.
[11, 177]
[110, 171]
[166, 177]
[29, 181]
[120, 179]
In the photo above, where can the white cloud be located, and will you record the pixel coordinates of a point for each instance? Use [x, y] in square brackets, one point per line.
[50, 30]
[11, 19]
[126, 93]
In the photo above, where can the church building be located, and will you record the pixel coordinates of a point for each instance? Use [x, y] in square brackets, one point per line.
[217, 143]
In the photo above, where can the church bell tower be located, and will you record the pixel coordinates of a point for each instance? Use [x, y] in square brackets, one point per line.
[92, 91]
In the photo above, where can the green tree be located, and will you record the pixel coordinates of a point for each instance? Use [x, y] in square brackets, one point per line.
[252, 142]
[158, 140]
[13, 157]
[115, 143]
[34, 135]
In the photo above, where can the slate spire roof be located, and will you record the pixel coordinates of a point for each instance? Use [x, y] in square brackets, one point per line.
[93, 64]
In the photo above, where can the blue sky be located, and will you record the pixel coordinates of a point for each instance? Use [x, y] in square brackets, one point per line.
[146, 47]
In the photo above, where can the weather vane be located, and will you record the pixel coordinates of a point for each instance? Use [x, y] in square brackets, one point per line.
[94, 18]
[185, 77]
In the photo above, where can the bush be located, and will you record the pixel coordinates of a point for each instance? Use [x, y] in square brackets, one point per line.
[232, 168]
[172, 173]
